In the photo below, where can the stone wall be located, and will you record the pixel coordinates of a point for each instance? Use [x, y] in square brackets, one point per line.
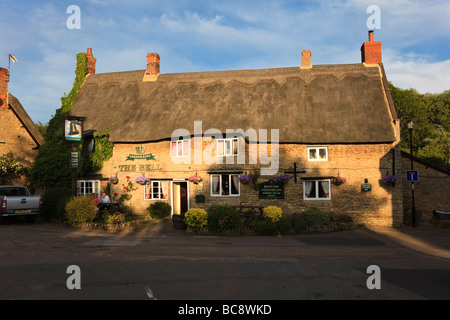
[431, 192]
[357, 163]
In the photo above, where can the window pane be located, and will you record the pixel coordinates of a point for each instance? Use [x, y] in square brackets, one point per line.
[219, 150]
[186, 147]
[173, 149]
[324, 189]
[323, 153]
[225, 185]
[234, 184]
[229, 147]
[310, 189]
[155, 190]
[215, 184]
[235, 146]
[180, 148]
[312, 153]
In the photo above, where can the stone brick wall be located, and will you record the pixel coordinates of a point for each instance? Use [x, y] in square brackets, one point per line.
[431, 192]
[357, 163]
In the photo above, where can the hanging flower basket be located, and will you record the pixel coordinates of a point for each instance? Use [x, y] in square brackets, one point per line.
[392, 179]
[282, 179]
[195, 179]
[114, 180]
[337, 181]
[245, 179]
[142, 180]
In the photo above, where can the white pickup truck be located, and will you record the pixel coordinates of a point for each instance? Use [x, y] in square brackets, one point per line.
[17, 201]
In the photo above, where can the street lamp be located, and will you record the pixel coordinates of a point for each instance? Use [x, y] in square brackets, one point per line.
[413, 208]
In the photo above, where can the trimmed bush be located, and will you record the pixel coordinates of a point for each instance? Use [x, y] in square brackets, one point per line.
[196, 218]
[159, 210]
[54, 202]
[221, 218]
[298, 222]
[80, 210]
[316, 218]
[284, 225]
[264, 227]
[272, 213]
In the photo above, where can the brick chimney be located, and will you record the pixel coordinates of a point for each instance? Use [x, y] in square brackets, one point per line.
[371, 51]
[4, 88]
[306, 59]
[152, 63]
[90, 61]
[152, 71]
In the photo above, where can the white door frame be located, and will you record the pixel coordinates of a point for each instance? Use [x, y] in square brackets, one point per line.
[172, 193]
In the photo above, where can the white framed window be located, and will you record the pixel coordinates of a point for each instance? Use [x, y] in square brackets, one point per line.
[227, 147]
[156, 190]
[88, 187]
[317, 190]
[224, 185]
[317, 154]
[180, 148]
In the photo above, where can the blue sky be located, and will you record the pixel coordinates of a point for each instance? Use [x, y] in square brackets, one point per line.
[216, 35]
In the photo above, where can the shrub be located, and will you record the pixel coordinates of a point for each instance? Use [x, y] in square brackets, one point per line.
[284, 225]
[113, 218]
[222, 218]
[298, 222]
[80, 210]
[316, 218]
[196, 218]
[272, 213]
[159, 210]
[54, 202]
[264, 227]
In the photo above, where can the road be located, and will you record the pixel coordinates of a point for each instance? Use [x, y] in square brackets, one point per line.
[158, 263]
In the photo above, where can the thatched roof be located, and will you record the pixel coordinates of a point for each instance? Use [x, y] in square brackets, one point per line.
[23, 116]
[324, 104]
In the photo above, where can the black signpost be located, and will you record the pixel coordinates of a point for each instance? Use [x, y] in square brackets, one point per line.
[73, 133]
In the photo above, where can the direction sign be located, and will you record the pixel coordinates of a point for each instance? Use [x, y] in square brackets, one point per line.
[412, 175]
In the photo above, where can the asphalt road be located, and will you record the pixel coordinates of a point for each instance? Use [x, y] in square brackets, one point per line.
[159, 263]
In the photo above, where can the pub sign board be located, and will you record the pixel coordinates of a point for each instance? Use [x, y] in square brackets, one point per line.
[73, 129]
[271, 190]
[74, 159]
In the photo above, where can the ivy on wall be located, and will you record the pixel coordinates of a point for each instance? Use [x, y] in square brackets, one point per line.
[93, 161]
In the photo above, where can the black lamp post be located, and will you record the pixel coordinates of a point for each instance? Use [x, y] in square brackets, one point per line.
[413, 208]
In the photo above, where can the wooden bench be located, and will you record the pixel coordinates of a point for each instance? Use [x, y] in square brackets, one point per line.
[250, 213]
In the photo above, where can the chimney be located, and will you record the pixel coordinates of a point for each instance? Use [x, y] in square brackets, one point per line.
[152, 64]
[90, 61]
[371, 51]
[306, 59]
[4, 88]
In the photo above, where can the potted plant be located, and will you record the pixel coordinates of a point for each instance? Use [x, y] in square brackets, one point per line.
[282, 178]
[339, 180]
[114, 180]
[391, 179]
[195, 179]
[245, 179]
[142, 180]
[178, 221]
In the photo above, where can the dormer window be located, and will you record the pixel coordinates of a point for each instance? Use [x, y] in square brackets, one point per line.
[180, 148]
[317, 154]
[227, 147]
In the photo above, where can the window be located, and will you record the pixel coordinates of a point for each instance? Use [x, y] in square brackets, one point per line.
[87, 187]
[156, 190]
[317, 153]
[227, 147]
[224, 185]
[316, 190]
[180, 148]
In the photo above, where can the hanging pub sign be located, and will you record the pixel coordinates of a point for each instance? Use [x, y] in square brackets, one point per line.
[74, 159]
[140, 155]
[271, 190]
[73, 129]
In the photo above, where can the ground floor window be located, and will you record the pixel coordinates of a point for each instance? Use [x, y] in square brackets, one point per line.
[224, 185]
[88, 187]
[316, 190]
[156, 190]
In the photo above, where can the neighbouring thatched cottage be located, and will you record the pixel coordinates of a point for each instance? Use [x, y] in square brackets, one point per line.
[18, 133]
[314, 123]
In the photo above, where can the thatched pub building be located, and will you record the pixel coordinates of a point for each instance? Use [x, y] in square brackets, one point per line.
[313, 123]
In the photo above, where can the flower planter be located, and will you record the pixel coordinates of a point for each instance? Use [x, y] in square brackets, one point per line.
[114, 181]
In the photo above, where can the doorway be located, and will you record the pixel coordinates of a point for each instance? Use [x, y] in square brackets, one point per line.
[180, 197]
